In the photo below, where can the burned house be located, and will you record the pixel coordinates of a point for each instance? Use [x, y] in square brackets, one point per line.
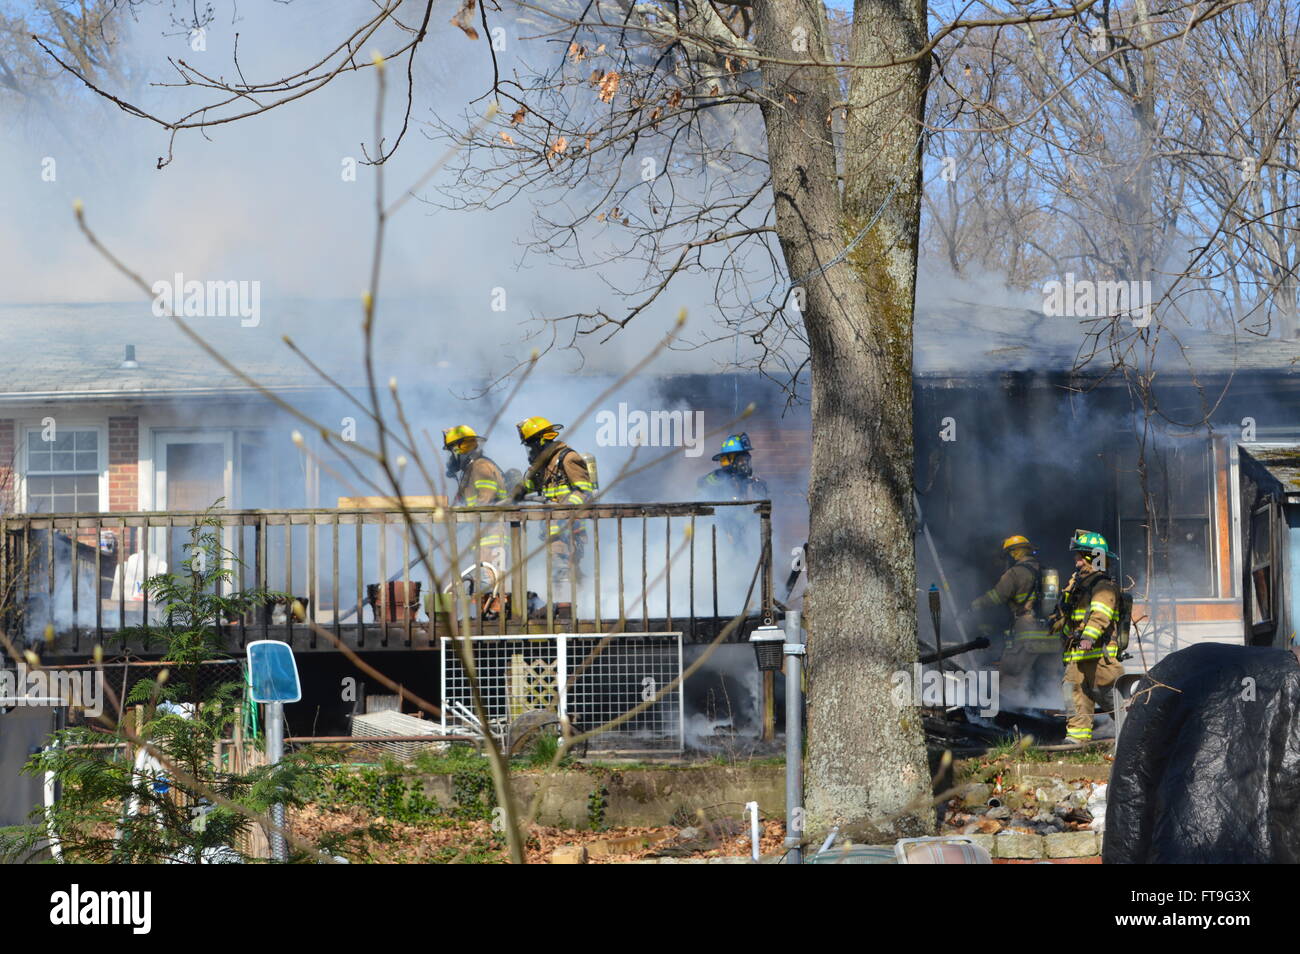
[1017, 433]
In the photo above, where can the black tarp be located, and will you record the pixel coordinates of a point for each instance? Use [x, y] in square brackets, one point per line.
[1208, 770]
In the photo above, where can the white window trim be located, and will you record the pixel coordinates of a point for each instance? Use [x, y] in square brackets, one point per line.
[160, 437]
[34, 424]
[1212, 521]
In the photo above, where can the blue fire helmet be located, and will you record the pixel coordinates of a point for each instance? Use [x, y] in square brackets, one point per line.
[735, 444]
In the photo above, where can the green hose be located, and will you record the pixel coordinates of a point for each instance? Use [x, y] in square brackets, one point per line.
[252, 728]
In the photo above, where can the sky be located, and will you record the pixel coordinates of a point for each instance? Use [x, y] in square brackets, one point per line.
[270, 199]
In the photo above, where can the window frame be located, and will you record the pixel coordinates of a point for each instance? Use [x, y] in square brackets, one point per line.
[29, 427]
[1209, 518]
[1268, 508]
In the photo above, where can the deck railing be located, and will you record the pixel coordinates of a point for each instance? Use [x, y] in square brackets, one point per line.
[356, 577]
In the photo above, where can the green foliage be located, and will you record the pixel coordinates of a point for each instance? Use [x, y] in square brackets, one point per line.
[394, 791]
[174, 789]
[457, 756]
[471, 787]
[542, 753]
[383, 792]
[597, 802]
[193, 603]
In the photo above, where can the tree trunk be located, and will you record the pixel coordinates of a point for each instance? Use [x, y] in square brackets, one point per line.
[866, 767]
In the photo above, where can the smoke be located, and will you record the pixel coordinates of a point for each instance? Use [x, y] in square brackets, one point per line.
[286, 200]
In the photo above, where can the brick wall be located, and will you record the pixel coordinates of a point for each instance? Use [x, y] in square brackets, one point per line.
[123, 463]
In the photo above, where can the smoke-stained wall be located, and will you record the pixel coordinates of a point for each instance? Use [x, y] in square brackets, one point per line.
[1043, 454]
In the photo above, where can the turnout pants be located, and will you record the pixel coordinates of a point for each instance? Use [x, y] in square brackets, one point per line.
[1086, 673]
[1031, 678]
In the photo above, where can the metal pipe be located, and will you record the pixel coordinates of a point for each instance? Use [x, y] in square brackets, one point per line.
[794, 650]
[830, 839]
[372, 739]
[275, 752]
[752, 808]
[934, 555]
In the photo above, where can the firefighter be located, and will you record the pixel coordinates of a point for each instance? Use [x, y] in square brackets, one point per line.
[1030, 661]
[559, 475]
[480, 484]
[1086, 620]
[734, 479]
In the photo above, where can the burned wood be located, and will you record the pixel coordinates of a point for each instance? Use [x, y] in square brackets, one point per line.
[979, 643]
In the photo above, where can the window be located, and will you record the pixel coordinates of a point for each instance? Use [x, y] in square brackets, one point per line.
[63, 474]
[1180, 482]
[1261, 566]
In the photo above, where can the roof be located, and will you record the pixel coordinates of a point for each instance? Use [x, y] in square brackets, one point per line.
[76, 350]
[956, 338]
[1279, 461]
[71, 351]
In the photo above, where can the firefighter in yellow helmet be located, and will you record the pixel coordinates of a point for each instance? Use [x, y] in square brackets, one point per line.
[558, 475]
[1087, 621]
[1030, 666]
[480, 483]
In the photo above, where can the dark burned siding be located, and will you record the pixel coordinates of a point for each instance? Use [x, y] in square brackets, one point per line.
[1032, 460]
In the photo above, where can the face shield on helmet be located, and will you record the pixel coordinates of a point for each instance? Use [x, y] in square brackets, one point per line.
[1017, 548]
[537, 443]
[535, 433]
[736, 464]
[1091, 547]
[460, 453]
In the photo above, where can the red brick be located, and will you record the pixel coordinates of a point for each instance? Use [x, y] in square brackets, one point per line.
[123, 463]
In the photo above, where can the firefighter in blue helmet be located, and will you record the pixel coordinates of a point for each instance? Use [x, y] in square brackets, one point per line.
[734, 479]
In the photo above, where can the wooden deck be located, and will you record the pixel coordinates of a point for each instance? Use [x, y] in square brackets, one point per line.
[683, 567]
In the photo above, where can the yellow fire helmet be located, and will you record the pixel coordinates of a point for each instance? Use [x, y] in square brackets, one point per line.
[533, 426]
[454, 435]
[1016, 541]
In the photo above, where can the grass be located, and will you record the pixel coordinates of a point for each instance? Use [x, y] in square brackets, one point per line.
[456, 758]
[1022, 750]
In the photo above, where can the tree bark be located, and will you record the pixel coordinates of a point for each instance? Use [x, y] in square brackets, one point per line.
[866, 767]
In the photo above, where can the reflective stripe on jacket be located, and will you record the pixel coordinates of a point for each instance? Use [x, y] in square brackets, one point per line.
[562, 479]
[483, 485]
[1093, 616]
[1019, 590]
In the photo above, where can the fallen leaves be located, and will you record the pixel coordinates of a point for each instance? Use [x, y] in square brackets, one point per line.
[364, 838]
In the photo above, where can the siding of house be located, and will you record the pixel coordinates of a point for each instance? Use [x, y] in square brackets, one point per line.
[8, 466]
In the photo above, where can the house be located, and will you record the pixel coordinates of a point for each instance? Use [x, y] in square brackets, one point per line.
[117, 431]
[1017, 433]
